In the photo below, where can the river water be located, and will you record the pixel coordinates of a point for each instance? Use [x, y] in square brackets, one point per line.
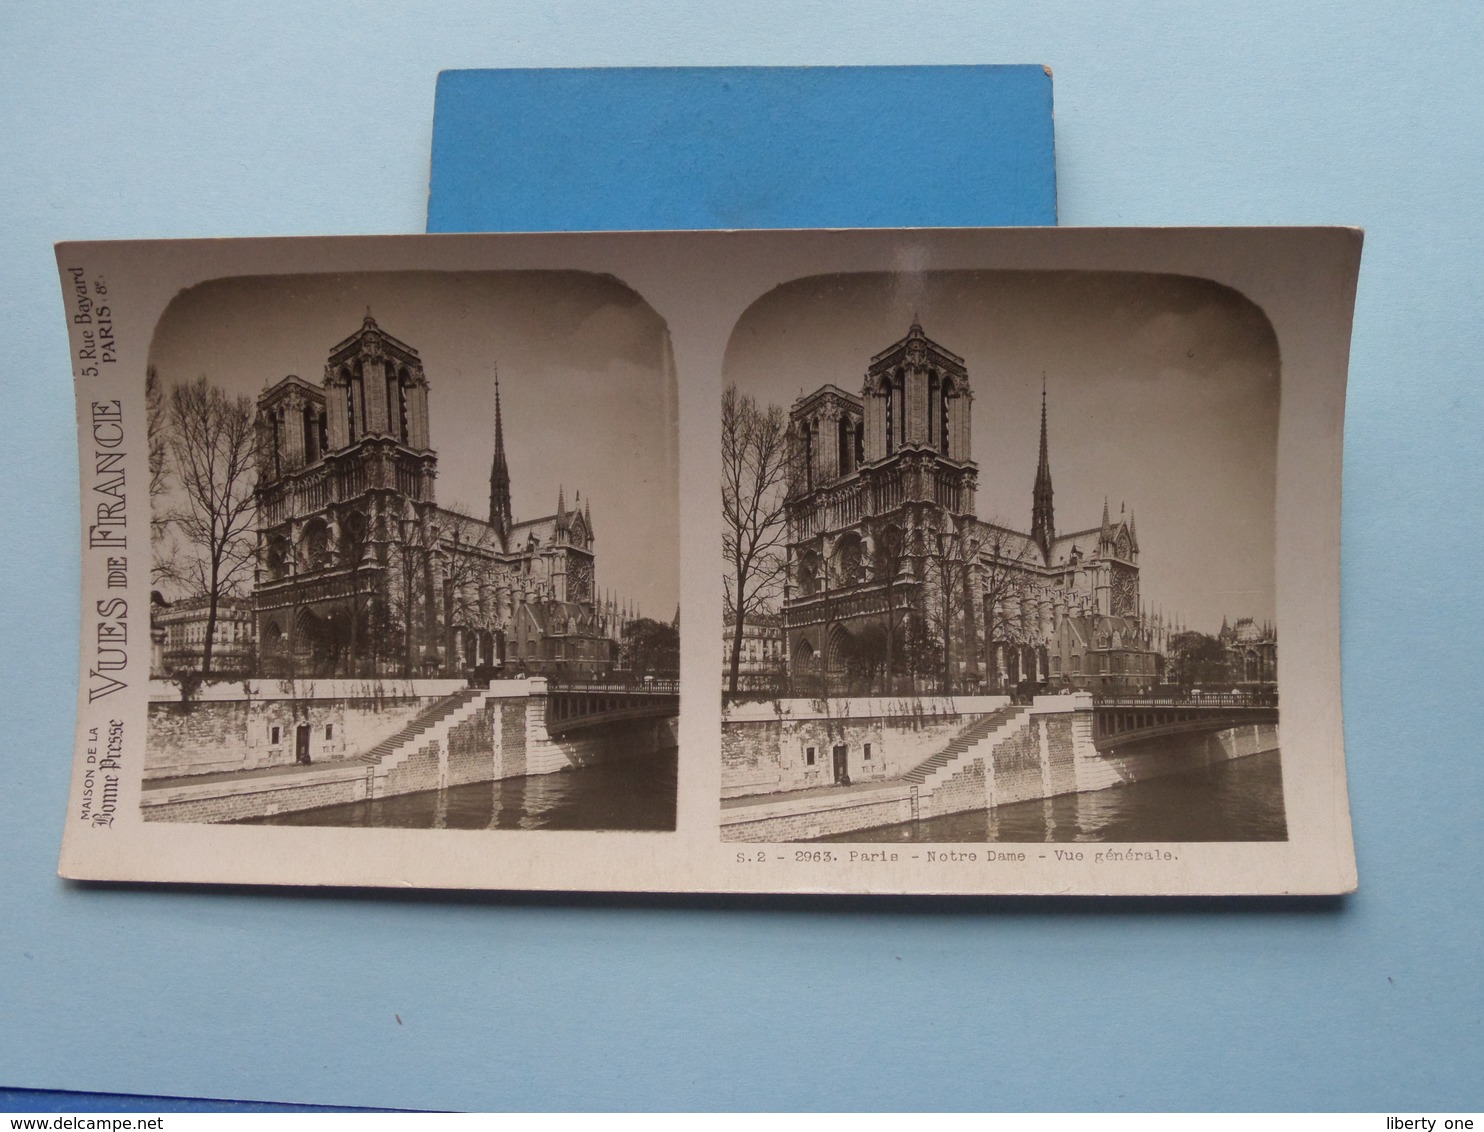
[1239, 800]
[635, 793]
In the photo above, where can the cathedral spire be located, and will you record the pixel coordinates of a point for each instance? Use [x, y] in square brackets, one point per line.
[500, 515]
[1043, 520]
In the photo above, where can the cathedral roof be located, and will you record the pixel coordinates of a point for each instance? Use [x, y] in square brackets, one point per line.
[823, 393]
[369, 325]
[1085, 627]
[1062, 545]
[1015, 542]
[915, 338]
[1010, 543]
[545, 528]
[292, 380]
[1079, 629]
[472, 530]
[552, 617]
[1247, 631]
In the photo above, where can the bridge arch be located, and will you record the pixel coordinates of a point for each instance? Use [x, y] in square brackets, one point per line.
[1120, 720]
[578, 707]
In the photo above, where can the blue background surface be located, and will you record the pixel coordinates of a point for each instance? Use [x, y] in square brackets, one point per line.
[721, 147]
[280, 118]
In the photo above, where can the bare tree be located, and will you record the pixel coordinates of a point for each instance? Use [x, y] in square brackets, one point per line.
[969, 560]
[210, 441]
[888, 556]
[411, 545]
[754, 450]
[1002, 579]
[164, 559]
[469, 575]
[951, 549]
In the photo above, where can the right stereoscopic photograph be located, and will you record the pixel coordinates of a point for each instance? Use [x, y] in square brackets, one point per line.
[999, 561]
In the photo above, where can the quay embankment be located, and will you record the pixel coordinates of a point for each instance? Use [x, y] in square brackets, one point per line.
[261, 748]
[782, 777]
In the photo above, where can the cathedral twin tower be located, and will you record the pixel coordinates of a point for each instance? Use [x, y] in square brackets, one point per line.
[884, 545]
[361, 572]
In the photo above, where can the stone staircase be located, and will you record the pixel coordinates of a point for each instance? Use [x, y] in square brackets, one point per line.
[416, 733]
[989, 730]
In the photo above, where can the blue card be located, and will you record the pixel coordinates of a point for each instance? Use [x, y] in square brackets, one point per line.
[742, 147]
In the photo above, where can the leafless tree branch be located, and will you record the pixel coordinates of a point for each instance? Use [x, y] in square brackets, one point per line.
[754, 450]
[209, 438]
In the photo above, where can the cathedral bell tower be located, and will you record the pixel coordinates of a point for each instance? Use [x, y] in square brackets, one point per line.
[345, 488]
[918, 437]
[876, 482]
[917, 396]
[375, 388]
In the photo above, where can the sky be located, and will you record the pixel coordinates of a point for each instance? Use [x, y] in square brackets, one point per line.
[587, 389]
[1162, 395]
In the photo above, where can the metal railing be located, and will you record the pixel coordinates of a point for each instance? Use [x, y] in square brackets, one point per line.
[753, 688]
[1194, 697]
[639, 685]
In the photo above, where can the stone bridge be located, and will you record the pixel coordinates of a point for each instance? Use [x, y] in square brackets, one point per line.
[581, 706]
[1118, 720]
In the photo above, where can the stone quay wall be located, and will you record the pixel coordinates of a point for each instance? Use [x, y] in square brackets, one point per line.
[1157, 759]
[1048, 751]
[1053, 753]
[766, 748]
[1038, 759]
[501, 733]
[253, 724]
[263, 797]
[799, 823]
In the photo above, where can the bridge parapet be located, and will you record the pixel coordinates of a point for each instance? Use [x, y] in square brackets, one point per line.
[573, 706]
[1061, 703]
[1118, 720]
[1265, 697]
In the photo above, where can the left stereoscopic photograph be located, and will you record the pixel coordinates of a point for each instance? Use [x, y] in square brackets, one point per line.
[412, 552]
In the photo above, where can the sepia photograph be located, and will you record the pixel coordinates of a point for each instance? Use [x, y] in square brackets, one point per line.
[386, 543]
[414, 554]
[999, 561]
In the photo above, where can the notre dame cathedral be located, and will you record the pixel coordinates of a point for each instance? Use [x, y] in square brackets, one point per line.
[360, 572]
[889, 569]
